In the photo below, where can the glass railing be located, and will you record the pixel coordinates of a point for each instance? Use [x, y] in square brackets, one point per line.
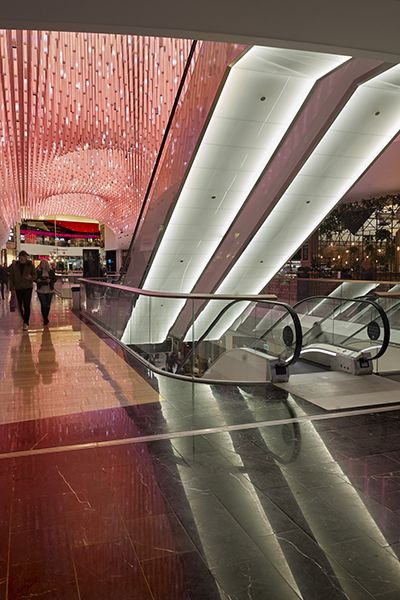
[292, 289]
[359, 325]
[65, 282]
[334, 324]
[228, 350]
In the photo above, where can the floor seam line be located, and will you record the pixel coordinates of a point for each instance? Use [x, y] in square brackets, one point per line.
[194, 432]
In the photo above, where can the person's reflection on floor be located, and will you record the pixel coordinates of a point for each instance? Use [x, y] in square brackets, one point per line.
[47, 364]
[23, 367]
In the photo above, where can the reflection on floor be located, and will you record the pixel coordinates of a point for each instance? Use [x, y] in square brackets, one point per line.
[63, 369]
[293, 511]
[305, 509]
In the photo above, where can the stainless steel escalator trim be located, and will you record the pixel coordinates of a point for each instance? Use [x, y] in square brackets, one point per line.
[152, 293]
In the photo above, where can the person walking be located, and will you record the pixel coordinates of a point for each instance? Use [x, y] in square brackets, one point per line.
[45, 279]
[22, 276]
[3, 280]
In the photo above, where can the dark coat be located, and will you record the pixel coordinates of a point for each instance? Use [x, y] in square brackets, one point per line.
[22, 279]
[3, 275]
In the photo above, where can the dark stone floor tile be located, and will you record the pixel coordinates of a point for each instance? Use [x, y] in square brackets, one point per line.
[37, 488]
[394, 549]
[316, 476]
[384, 444]
[256, 578]
[158, 535]
[395, 454]
[4, 548]
[215, 532]
[392, 501]
[369, 465]
[242, 442]
[5, 506]
[39, 513]
[103, 562]
[285, 500]
[190, 446]
[368, 563]
[63, 591]
[180, 577]
[35, 579]
[388, 596]
[179, 488]
[311, 572]
[115, 588]
[215, 461]
[250, 507]
[87, 526]
[375, 520]
[264, 477]
[134, 505]
[110, 457]
[3, 587]
[38, 545]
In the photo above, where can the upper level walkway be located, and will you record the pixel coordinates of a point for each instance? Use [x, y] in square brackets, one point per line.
[270, 498]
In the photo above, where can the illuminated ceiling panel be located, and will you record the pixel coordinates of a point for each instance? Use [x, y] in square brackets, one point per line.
[262, 95]
[82, 117]
[368, 122]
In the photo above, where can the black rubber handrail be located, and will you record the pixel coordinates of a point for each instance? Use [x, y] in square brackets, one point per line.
[385, 320]
[292, 313]
[382, 314]
[379, 309]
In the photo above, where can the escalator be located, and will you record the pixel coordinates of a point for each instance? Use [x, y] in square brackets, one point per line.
[320, 342]
[239, 353]
[386, 297]
[341, 348]
[389, 301]
[333, 336]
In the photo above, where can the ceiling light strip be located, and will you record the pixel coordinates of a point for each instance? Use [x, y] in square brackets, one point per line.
[262, 95]
[366, 125]
[328, 97]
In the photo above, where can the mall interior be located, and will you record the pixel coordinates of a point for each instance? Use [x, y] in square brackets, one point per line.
[208, 199]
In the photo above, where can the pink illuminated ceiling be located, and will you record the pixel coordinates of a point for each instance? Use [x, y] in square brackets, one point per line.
[82, 117]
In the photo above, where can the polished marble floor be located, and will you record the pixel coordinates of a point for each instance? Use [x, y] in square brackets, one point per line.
[304, 506]
[62, 369]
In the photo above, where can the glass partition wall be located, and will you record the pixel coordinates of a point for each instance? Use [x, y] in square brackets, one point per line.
[164, 331]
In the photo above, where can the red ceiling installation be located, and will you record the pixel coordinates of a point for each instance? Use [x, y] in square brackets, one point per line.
[82, 117]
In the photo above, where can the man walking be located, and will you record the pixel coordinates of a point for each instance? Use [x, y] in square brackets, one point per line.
[3, 281]
[22, 276]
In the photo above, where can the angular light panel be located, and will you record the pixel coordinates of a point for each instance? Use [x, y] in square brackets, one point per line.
[262, 95]
[361, 131]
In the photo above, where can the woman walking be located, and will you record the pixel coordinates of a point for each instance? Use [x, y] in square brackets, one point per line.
[45, 279]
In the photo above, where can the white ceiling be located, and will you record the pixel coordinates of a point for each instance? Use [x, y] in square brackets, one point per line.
[257, 105]
[382, 178]
[353, 141]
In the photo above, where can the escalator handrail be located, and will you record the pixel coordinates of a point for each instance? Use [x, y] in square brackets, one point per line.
[379, 309]
[292, 313]
[178, 295]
